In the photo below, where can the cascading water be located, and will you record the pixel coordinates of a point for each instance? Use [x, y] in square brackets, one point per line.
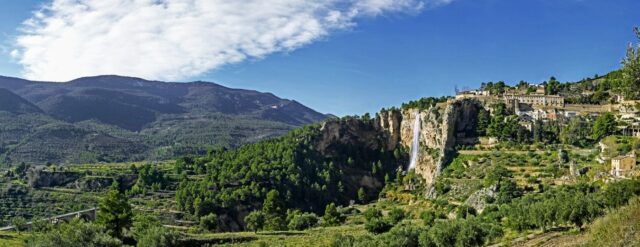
[415, 145]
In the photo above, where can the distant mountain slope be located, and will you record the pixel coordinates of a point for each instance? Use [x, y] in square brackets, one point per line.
[13, 103]
[115, 118]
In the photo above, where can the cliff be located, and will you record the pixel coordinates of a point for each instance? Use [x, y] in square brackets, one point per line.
[443, 126]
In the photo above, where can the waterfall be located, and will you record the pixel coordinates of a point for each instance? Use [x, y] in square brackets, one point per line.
[415, 145]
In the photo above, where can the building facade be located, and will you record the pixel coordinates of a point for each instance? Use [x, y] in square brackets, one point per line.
[622, 165]
[535, 99]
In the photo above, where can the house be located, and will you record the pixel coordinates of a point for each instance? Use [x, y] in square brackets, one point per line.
[534, 99]
[570, 114]
[471, 94]
[622, 165]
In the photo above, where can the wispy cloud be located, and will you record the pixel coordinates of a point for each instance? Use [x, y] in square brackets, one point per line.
[176, 39]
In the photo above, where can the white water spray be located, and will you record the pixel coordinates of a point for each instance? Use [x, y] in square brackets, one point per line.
[415, 145]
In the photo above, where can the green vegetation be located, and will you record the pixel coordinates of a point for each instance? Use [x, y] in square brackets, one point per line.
[283, 173]
[343, 184]
[114, 212]
[74, 234]
[619, 228]
[423, 103]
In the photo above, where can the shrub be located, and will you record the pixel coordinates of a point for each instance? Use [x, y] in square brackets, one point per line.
[428, 217]
[209, 222]
[158, 237]
[254, 221]
[396, 215]
[377, 225]
[465, 211]
[303, 221]
[331, 216]
[76, 233]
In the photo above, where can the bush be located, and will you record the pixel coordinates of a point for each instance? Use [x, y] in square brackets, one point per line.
[254, 221]
[428, 217]
[209, 222]
[377, 225]
[402, 236]
[331, 216]
[76, 233]
[18, 223]
[303, 221]
[396, 215]
[465, 211]
[618, 228]
[158, 237]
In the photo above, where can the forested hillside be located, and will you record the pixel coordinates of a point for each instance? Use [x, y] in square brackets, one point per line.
[112, 119]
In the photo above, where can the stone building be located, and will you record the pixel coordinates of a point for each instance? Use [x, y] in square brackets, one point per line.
[622, 165]
[534, 99]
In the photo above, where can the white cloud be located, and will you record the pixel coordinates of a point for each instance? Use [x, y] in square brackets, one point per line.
[177, 39]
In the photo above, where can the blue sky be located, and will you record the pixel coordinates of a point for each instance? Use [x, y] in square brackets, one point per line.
[389, 58]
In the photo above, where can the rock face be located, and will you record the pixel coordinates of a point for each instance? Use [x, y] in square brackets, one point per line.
[38, 178]
[478, 200]
[442, 127]
[389, 122]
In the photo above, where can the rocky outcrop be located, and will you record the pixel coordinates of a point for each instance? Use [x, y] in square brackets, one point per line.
[443, 126]
[389, 122]
[38, 178]
[349, 133]
[478, 200]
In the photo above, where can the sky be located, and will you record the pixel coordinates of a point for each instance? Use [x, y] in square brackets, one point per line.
[341, 57]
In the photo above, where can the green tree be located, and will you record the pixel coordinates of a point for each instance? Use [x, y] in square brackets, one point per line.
[428, 217]
[375, 223]
[576, 133]
[254, 221]
[18, 223]
[274, 211]
[209, 222]
[552, 86]
[331, 216]
[631, 70]
[362, 195]
[76, 233]
[484, 119]
[605, 125]
[303, 221]
[114, 212]
[158, 236]
[396, 215]
[465, 211]
[141, 223]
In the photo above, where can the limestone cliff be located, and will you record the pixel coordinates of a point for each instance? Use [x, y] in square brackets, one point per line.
[442, 127]
[389, 123]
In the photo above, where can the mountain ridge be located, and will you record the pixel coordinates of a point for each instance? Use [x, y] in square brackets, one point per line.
[163, 119]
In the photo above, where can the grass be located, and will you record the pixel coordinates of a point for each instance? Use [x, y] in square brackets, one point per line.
[12, 239]
[619, 228]
[321, 236]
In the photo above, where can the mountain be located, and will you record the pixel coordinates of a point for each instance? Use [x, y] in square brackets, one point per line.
[115, 118]
[13, 103]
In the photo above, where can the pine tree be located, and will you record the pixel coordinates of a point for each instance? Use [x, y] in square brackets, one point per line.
[114, 212]
[362, 195]
[274, 211]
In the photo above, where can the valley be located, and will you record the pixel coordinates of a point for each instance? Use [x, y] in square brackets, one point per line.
[121, 161]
